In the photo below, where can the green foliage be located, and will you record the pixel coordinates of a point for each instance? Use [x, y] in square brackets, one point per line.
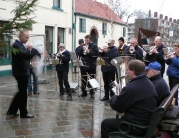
[22, 20]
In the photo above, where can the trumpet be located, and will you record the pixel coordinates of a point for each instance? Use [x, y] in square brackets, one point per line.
[167, 56]
[131, 49]
[150, 52]
[84, 51]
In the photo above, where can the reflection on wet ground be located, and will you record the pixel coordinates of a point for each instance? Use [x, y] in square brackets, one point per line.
[54, 116]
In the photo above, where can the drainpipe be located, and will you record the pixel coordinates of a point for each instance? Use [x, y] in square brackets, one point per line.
[73, 34]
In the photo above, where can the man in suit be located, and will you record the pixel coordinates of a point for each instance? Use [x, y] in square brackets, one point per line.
[87, 53]
[108, 72]
[134, 49]
[62, 69]
[20, 70]
[157, 53]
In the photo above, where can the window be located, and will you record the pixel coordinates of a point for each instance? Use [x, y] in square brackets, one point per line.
[57, 5]
[49, 39]
[60, 35]
[104, 28]
[82, 25]
[124, 31]
[5, 55]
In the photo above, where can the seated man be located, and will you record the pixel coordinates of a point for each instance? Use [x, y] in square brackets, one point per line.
[137, 100]
[153, 73]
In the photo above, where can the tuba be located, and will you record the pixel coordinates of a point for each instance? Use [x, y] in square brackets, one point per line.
[121, 65]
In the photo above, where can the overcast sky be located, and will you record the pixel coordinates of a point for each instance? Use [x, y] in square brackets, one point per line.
[166, 7]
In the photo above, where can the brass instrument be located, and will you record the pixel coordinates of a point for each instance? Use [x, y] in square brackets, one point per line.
[167, 56]
[120, 49]
[30, 63]
[131, 50]
[121, 65]
[151, 50]
[84, 51]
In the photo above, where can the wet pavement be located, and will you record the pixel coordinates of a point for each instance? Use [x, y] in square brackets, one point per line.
[54, 116]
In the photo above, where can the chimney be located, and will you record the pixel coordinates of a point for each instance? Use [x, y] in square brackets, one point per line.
[178, 21]
[174, 20]
[161, 16]
[149, 13]
[170, 19]
[155, 14]
[166, 18]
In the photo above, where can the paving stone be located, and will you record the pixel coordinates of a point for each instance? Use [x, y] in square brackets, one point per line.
[23, 132]
[41, 130]
[7, 133]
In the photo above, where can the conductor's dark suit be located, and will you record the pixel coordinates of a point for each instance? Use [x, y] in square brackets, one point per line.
[20, 70]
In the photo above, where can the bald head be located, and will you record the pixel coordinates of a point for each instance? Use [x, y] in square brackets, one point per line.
[134, 42]
[158, 41]
[24, 36]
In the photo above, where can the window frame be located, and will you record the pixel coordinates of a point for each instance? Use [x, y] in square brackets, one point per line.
[59, 8]
[104, 28]
[82, 25]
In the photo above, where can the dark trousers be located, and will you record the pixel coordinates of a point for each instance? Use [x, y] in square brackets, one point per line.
[84, 79]
[20, 99]
[172, 82]
[112, 124]
[108, 78]
[63, 79]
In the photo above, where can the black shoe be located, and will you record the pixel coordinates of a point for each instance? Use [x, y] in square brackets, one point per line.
[36, 92]
[83, 95]
[29, 93]
[105, 98]
[69, 98]
[10, 114]
[92, 95]
[27, 116]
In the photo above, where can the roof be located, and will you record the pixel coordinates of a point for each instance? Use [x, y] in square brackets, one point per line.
[96, 9]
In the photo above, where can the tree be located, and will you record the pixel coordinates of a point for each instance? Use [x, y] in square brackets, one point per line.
[22, 20]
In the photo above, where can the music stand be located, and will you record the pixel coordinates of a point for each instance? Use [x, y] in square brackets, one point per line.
[54, 62]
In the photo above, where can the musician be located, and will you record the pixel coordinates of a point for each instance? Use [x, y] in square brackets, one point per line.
[134, 49]
[86, 52]
[62, 69]
[173, 69]
[137, 101]
[122, 46]
[81, 43]
[20, 70]
[108, 71]
[32, 50]
[153, 73]
[156, 53]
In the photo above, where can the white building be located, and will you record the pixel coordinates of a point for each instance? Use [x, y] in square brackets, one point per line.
[54, 20]
[98, 20]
